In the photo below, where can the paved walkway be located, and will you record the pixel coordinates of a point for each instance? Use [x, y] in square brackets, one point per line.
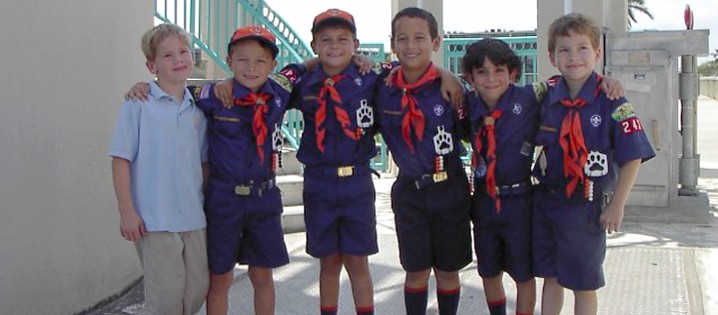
[651, 268]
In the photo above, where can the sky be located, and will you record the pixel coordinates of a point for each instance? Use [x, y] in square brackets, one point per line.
[373, 17]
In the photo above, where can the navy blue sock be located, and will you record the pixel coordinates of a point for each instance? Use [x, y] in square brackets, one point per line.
[448, 301]
[366, 310]
[415, 300]
[497, 307]
[328, 310]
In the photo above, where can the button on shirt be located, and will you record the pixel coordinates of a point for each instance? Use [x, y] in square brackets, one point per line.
[165, 141]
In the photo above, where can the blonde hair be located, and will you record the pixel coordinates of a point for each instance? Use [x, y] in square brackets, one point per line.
[152, 38]
[576, 23]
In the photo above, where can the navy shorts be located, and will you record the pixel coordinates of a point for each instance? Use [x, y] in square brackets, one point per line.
[569, 241]
[433, 224]
[502, 240]
[245, 230]
[339, 214]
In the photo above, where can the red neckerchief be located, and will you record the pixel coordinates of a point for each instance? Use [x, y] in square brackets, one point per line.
[259, 126]
[488, 130]
[413, 117]
[575, 153]
[340, 113]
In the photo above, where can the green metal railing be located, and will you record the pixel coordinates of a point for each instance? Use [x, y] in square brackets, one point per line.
[523, 46]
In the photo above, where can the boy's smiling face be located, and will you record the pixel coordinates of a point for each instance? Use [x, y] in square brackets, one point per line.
[575, 57]
[251, 63]
[173, 61]
[491, 81]
[412, 43]
[335, 46]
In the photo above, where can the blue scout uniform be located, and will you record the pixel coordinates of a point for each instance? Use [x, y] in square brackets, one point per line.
[569, 241]
[244, 204]
[430, 197]
[336, 147]
[503, 146]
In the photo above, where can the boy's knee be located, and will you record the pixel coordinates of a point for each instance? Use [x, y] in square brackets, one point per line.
[260, 277]
[220, 282]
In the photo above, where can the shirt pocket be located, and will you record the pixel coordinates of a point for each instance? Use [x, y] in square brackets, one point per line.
[231, 126]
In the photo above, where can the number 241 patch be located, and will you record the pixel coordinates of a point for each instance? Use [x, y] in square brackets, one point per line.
[631, 125]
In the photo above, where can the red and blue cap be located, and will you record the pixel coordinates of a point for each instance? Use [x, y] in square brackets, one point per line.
[333, 16]
[255, 32]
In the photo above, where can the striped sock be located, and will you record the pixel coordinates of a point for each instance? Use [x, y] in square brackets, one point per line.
[328, 310]
[365, 310]
[448, 301]
[415, 300]
[497, 307]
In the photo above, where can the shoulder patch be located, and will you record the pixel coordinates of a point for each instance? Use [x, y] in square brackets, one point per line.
[540, 90]
[282, 80]
[623, 112]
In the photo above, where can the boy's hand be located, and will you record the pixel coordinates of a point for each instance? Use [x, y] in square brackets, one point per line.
[132, 228]
[223, 92]
[364, 63]
[612, 88]
[139, 91]
[392, 73]
[451, 89]
[612, 217]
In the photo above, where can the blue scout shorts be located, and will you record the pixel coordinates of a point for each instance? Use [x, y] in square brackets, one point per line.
[339, 212]
[432, 223]
[245, 230]
[503, 239]
[569, 241]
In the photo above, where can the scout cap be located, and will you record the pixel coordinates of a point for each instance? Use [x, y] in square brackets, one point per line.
[333, 16]
[255, 32]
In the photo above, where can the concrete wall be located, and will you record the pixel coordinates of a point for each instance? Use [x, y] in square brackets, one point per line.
[65, 65]
[709, 87]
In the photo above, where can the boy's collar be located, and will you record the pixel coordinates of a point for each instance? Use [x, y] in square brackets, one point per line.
[157, 92]
[318, 75]
[560, 90]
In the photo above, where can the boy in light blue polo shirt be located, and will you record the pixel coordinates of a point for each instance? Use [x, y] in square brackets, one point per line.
[158, 151]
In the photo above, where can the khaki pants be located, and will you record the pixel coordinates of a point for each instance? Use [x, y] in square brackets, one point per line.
[175, 270]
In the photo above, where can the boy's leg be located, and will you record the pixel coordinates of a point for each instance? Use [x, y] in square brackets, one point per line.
[552, 297]
[586, 302]
[495, 295]
[416, 292]
[163, 268]
[526, 297]
[448, 289]
[196, 270]
[362, 288]
[263, 283]
[217, 299]
[329, 270]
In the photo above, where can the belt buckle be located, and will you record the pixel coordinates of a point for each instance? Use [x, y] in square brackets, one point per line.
[345, 171]
[242, 190]
[439, 177]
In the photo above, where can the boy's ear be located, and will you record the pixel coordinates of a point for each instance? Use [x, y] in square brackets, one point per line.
[151, 67]
[356, 44]
[437, 43]
[599, 54]
[514, 75]
[314, 47]
[229, 61]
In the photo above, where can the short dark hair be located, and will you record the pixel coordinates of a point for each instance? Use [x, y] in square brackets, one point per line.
[498, 51]
[417, 13]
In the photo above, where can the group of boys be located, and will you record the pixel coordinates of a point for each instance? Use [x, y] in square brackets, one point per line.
[237, 147]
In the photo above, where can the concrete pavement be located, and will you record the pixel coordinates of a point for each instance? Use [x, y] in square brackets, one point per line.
[651, 268]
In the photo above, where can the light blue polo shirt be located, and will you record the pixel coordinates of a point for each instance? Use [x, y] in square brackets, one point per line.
[165, 141]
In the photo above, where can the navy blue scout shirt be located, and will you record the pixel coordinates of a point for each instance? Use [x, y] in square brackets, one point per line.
[515, 131]
[357, 95]
[233, 153]
[612, 132]
[440, 132]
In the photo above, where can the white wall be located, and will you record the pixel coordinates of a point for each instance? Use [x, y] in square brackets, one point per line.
[64, 66]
